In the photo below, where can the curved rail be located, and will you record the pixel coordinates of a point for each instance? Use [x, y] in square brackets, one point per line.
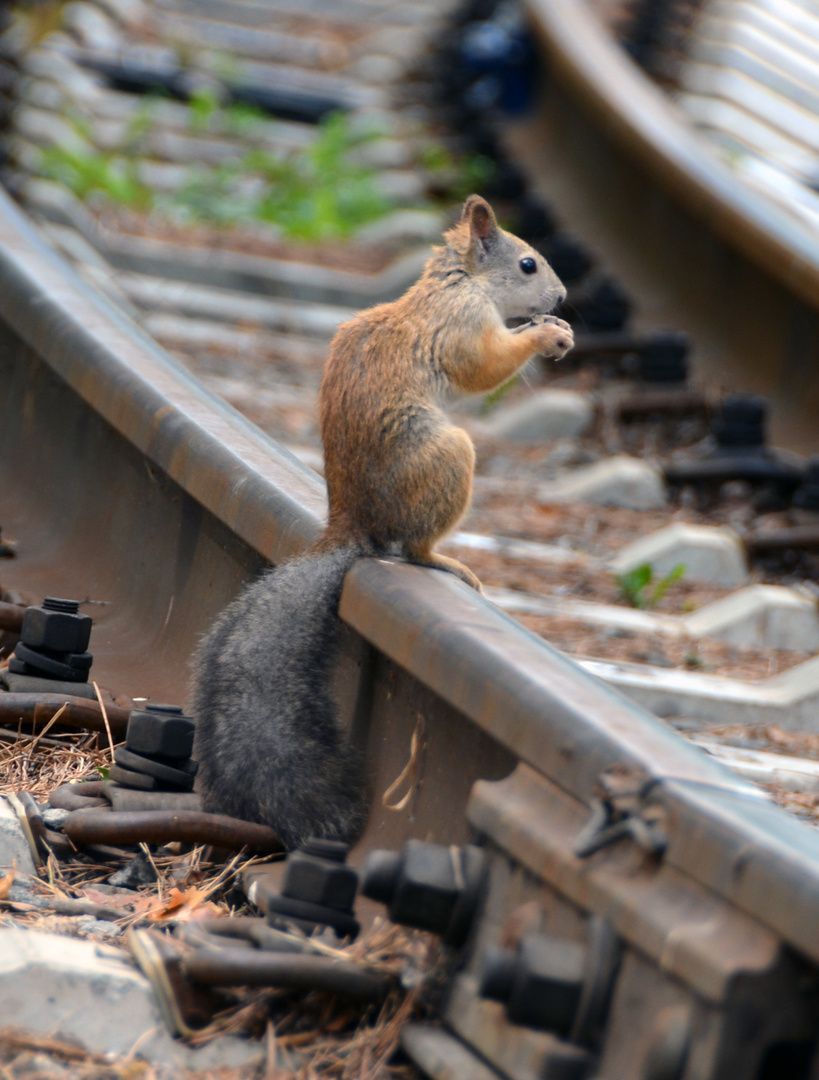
[632, 177]
[647, 124]
[163, 501]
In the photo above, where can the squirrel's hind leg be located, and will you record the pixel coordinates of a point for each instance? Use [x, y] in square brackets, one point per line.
[422, 556]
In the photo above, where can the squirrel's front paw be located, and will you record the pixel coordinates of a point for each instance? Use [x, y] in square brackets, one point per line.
[554, 338]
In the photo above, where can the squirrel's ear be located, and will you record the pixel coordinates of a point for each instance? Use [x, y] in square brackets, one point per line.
[480, 217]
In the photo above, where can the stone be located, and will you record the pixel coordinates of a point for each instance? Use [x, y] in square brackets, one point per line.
[790, 700]
[617, 481]
[711, 555]
[14, 849]
[762, 616]
[541, 417]
[92, 26]
[139, 871]
[95, 996]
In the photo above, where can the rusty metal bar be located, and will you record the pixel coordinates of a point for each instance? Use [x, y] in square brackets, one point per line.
[509, 682]
[84, 796]
[287, 971]
[11, 617]
[163, 826]
[38, 709]
[260, 491]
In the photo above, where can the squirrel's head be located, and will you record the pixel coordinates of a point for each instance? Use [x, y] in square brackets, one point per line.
[518, 279]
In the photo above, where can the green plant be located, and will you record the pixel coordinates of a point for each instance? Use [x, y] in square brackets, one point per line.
[456, 176]
[85, 172]
[319, 193]
[202, 105]
[694, 660]
[84, 169]
[634, 585]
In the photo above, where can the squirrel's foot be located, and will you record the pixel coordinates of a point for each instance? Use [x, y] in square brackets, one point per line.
[451, 566]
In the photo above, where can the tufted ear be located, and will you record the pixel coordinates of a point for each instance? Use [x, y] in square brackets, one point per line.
[480, 217]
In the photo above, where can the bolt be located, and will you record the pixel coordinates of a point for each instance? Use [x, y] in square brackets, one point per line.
[318, 874]
[57, 626]
[428, 886]
[555, 985]
[540, 984]
[740, 421]
[162, 731]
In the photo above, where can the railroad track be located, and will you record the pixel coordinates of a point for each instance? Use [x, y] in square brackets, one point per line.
[705, 913]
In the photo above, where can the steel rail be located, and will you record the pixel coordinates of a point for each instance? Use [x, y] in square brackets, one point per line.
[641, 118]
[634, 178]
[216, 499]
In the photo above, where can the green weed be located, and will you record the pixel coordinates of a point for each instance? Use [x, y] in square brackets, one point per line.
[86, 172]
[635, 585]
[319, 193]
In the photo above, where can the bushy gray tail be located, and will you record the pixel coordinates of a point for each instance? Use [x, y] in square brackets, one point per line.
[267, 738]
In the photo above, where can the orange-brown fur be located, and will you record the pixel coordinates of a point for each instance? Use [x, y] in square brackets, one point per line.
[399, 473]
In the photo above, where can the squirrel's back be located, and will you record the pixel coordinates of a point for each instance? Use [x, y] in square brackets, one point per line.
[267, 739]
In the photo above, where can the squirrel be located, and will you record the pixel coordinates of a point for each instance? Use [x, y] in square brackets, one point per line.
[399, 477]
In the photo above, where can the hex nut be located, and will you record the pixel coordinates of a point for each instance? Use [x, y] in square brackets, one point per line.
[156, 730]
[317, 879]
[540, 984]
[428, 886]
[57, 627]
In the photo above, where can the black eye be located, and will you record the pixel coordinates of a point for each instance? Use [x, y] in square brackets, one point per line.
[528, 265]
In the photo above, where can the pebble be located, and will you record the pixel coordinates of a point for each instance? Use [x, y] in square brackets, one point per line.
[546, 415]
[711, 555]
[617, 481]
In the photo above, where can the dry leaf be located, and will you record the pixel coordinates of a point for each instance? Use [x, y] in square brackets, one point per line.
[6, 882]
[96, 896]
[184, 904]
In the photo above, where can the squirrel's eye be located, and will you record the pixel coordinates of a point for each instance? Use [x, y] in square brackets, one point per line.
[528, 265]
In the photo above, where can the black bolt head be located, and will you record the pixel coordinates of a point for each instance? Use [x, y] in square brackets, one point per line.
[57, 626]
[156, 731]
[319, 879]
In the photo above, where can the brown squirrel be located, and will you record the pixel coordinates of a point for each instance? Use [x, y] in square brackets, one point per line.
[399, 477]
